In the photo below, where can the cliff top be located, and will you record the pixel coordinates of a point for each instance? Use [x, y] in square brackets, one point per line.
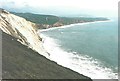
[3, 11]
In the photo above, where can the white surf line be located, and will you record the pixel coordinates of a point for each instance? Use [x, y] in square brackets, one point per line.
[66, 26]
[80, 64]
[73, 68]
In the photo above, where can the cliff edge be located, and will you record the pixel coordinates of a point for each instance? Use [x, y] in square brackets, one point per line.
[21, 29]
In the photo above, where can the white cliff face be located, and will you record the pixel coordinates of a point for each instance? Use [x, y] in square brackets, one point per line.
[21, 29]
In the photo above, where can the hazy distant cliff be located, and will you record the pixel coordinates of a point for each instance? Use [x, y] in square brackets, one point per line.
[21, 29]
[48, 21]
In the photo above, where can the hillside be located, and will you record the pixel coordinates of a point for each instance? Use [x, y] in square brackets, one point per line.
[21, 62]
[73, 20]
[23, 30]
[39, 19]
[47, 21]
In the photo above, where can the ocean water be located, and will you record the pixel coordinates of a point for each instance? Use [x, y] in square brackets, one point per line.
[90, 49]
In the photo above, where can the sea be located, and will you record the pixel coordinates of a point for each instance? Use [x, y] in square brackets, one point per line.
[89, 48]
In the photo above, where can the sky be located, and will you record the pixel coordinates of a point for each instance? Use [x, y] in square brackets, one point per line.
[63, 7]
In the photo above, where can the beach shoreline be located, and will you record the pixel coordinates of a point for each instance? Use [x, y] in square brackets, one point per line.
[66, 26]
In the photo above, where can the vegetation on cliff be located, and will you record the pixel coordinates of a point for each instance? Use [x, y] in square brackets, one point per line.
[48, 21]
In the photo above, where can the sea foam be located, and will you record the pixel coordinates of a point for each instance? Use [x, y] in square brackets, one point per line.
[85, 65]
[66, 26]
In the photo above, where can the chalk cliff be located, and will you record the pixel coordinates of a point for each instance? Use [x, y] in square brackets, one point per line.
[21, 29]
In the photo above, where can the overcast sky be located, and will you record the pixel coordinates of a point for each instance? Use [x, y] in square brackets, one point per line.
[63, 6]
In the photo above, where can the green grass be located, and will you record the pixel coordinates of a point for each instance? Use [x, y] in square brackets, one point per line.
[39, 19]
[50, 19]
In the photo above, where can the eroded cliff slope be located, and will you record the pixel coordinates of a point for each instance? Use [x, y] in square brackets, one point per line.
[21, 29]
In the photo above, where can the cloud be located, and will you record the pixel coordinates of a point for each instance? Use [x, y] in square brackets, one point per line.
[12, 3]
[79, 4]
[61, 5]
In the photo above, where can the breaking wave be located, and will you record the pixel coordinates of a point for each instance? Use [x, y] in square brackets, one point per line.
[82, 64]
